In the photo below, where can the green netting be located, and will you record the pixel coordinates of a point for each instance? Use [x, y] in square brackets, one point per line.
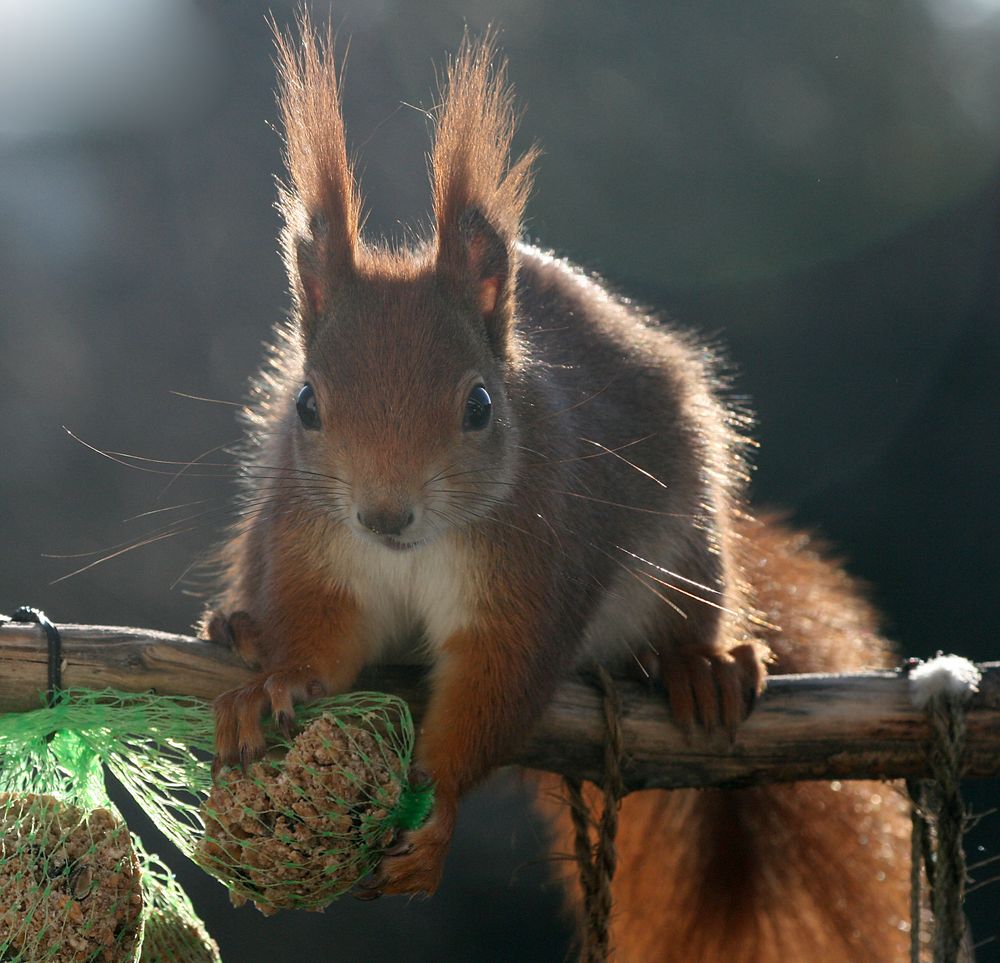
[299, 828]
[173, 933]
[69, 876]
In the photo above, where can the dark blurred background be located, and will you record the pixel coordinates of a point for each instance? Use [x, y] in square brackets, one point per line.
[815, 186]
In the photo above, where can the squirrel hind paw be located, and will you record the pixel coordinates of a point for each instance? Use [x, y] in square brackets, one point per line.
[714, 689]
[413, 865]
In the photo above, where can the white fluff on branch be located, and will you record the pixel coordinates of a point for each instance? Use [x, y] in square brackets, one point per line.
[950, 676]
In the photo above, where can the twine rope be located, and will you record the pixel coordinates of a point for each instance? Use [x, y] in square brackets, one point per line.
[598, 860]
[939, 822]
[947, 720]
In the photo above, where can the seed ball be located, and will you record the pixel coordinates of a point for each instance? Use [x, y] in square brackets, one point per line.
[70, 887]
[297, 832]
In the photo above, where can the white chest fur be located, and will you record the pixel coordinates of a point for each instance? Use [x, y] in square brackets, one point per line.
[411, 601]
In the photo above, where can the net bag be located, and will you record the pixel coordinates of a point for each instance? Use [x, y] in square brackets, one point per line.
[69, 876]
[298, 828]
[295, 831]
[173, 932]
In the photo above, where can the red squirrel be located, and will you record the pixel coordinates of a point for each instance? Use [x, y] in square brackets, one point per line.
[471, 454]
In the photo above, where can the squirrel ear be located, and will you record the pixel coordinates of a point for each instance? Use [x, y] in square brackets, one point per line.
[318, 261]
[479, 195]
[321, 203]
[478, 261]
[316, 266]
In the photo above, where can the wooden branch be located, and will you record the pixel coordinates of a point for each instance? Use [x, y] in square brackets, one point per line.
[804, 727]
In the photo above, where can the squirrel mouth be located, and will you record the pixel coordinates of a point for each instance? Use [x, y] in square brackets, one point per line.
[397, 545]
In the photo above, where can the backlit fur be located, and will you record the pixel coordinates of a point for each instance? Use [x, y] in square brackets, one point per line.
[599, 515]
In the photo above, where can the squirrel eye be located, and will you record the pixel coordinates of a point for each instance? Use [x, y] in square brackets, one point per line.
[478, 409]
[305, 405]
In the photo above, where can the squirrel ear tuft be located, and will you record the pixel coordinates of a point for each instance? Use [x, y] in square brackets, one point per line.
[321, 203]
[479, 196]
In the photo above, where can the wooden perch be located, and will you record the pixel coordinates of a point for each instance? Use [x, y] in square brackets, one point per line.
[804, 727]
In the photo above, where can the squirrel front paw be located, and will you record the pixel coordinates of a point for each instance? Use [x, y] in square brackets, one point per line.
[714, 689]
[237, 631]
[413, 865]
[239, 735]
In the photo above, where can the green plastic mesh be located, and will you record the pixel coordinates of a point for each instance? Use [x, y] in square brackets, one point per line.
[173, 933]
[295, 831]
[69, 876]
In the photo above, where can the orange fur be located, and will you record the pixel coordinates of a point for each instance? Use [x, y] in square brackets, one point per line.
[482, 689]
[304, 635]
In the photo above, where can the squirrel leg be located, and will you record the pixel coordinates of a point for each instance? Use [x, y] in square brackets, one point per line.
[486, 691]
[311, 650]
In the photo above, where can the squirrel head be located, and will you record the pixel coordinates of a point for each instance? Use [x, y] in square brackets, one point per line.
[402, 409]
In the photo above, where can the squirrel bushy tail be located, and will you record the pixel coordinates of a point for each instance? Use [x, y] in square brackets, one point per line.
[812, 871]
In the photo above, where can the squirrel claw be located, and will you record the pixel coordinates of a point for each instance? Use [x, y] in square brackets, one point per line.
[401, 847]
[419, 776]
[286, 724]
[370, 887]
[246, 757]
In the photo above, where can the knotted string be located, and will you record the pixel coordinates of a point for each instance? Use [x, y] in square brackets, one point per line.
[597, 861]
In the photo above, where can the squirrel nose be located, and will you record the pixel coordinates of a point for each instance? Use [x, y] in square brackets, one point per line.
[384, 521]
